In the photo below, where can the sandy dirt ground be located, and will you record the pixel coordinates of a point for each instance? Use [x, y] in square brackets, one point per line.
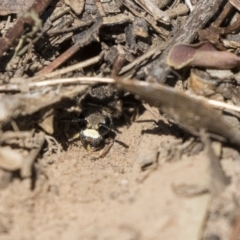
[77, 197]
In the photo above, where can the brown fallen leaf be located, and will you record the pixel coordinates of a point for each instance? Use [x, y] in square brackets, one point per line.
[202, 55]
[191, 113]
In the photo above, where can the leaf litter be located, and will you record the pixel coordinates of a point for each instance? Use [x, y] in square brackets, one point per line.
[119, 119]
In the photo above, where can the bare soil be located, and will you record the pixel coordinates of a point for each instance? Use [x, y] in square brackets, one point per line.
[76, 197]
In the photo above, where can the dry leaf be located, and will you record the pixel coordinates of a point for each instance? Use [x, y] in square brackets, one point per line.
[201, 55]
[189, 112]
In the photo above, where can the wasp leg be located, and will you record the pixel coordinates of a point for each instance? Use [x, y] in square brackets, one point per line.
[105, 151]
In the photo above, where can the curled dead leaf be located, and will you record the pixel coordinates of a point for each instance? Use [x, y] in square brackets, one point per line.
[201, 55]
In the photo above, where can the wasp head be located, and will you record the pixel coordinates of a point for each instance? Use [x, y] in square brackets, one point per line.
[94, 128]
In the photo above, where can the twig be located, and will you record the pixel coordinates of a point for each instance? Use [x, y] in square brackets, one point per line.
[189, 4]
[100, 8]
[233, 28]
[154, 51]
[162, 31]
[235, 3]
[59, 81]
[83, 80]
[60, 60]
[58, 31]
[83, 39]
[74, 67]
[222, 105]
[227, 9]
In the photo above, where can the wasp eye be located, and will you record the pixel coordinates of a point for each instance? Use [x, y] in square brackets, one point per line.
[103, 130]
[107, 122]
[104, 127]
[82, 121]
[82, 115]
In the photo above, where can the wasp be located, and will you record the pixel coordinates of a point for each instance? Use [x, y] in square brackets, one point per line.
[100, 106]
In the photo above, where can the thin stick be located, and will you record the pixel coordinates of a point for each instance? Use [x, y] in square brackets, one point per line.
[223, 105]
[148, 54]
[61, 59]
[65, 70]
[52, 82]
[82, 80]
[82, 39]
